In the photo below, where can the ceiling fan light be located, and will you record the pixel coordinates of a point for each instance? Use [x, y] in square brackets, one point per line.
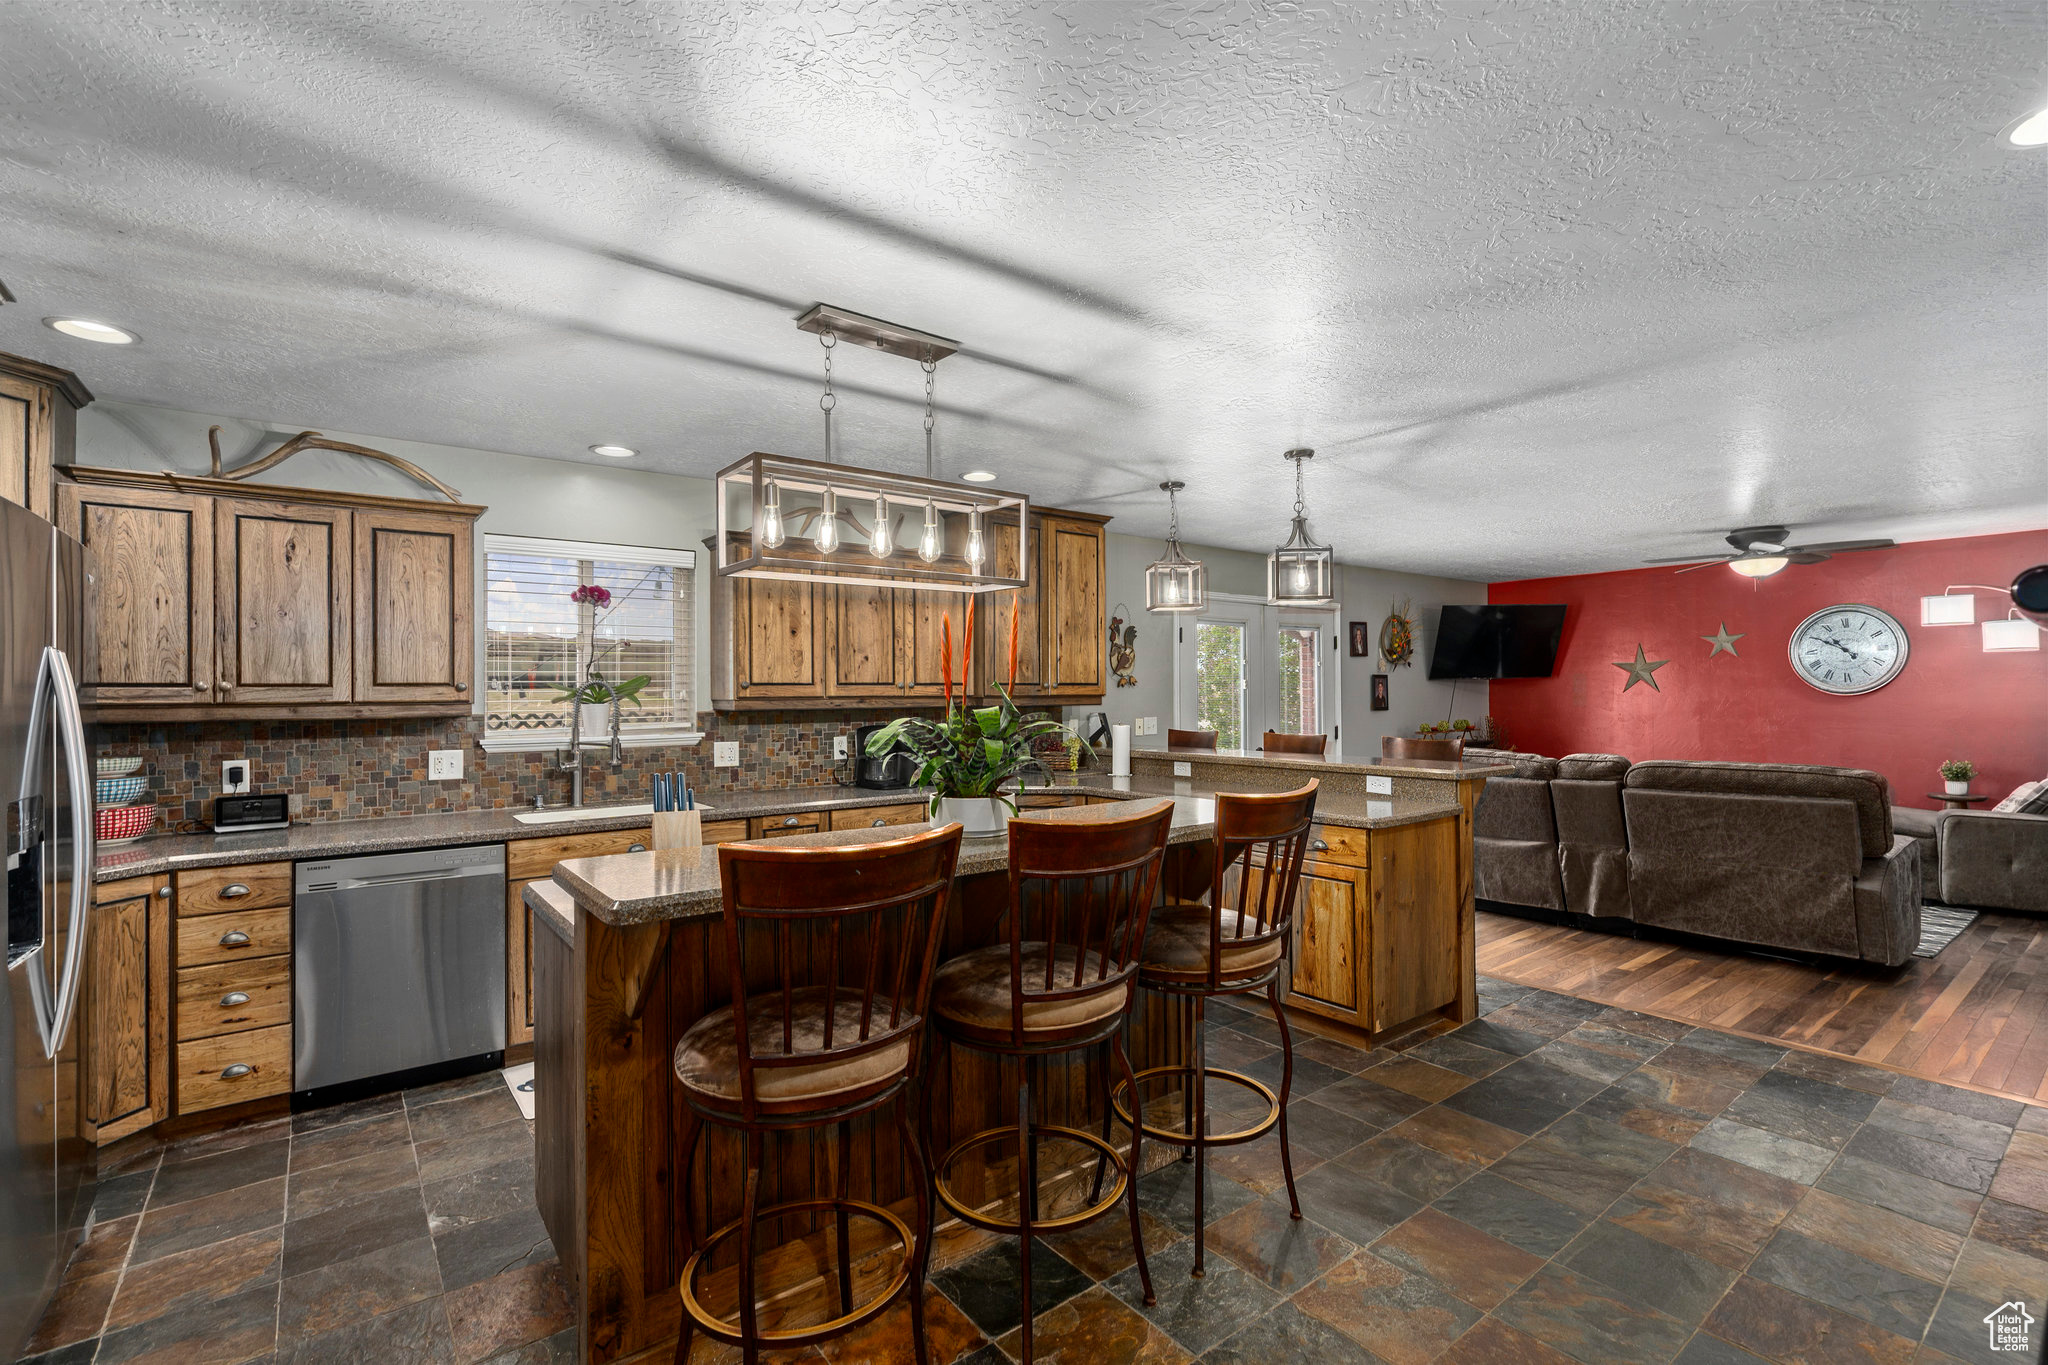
[1762, 566]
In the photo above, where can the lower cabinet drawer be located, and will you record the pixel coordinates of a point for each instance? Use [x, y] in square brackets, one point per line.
[1340, 844]
[775, 826]
[526, 859]
[874, 817]
[724, 831]
[234, 1067]
[233, 997]
[234, 937]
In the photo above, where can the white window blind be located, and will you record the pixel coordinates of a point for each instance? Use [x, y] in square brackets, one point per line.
[538, 643]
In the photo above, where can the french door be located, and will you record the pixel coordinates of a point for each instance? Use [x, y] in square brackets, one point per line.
[1242, 668]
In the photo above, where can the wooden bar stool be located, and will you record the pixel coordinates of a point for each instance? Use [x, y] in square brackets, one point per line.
[1277, 743]
[830, 953]
[1081, 890]
[1234, 945]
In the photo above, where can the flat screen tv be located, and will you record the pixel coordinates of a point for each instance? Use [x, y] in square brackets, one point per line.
[1497, 642]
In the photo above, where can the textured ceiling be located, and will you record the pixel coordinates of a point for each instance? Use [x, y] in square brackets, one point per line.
[1549, 287]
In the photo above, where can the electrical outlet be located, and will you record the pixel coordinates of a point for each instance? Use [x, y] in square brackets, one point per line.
[1148, 725]
[1379, 786]
[1183, 770]
[234, 776]
[839, 746]
[725, 753]
[444, 765]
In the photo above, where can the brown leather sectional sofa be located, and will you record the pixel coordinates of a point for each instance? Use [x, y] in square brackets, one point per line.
[1771, 855]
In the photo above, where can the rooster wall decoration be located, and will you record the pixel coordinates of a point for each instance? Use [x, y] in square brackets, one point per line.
[1123, 648]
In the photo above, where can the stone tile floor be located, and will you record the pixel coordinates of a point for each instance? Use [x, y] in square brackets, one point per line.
[1558, 1181]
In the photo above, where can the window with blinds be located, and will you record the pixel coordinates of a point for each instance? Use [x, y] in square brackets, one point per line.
[538, 642]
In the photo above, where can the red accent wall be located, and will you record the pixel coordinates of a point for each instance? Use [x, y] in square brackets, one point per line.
[1952, 701]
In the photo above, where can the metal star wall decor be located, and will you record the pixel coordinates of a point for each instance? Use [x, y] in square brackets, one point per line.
[1721, 640]
[1640, 670]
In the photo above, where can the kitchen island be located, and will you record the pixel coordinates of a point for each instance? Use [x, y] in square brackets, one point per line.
[627, 956]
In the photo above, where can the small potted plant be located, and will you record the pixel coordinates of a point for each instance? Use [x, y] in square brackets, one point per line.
[971, 755]
[595, 698]
[1956, 774]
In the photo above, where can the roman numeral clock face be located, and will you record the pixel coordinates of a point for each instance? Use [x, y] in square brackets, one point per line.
[1849, 649]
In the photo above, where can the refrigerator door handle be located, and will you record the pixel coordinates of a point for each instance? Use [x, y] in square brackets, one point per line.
[71, 721]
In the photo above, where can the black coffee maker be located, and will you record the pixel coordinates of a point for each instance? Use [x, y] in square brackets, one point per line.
[889, 771]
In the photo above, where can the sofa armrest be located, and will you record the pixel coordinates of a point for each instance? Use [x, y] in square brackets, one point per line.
[1888, 904]
[1995, 860]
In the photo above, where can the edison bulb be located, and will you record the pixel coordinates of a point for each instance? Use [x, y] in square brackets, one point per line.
[1300, 577]
[771, 517]
[976, 551]
[826, 537]
[879, 543]
[928, 543]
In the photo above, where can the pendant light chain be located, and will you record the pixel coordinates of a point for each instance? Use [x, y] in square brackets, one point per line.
[829, 400]
[1300, 505]
[931, 436]
[1173, 517]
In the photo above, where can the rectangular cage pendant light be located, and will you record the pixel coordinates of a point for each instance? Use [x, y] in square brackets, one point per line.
[782, 517]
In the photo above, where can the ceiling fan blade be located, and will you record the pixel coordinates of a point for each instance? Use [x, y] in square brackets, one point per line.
[1692, 559]
[1757, 535]
[1710, 564]
[1805, 557]
[1836, 547]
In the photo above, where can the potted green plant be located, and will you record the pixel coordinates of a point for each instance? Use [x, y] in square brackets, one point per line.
[1956, 774]
[970, 755]
[595, 696]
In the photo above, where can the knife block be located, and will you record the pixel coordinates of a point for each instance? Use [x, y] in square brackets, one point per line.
[678, 829]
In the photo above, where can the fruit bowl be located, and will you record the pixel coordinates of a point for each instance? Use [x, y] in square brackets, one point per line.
[119, 824]
[117, 791]
[115, 767]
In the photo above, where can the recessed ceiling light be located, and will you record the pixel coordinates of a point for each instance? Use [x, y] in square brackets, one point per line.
[616, 452]
[978, 476]
[90, 331]
[2030, 130]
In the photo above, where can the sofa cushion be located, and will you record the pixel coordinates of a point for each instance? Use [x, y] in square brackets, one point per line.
[1533, 766]
[1514, 808]
[1592, 766]
[1921, 826]
[1866, 790]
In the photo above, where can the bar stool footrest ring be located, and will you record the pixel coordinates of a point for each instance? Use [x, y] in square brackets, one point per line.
[1119, 1099]
[967, 1214]
[721, 1330]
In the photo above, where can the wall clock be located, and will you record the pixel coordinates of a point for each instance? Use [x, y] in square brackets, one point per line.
[1848, 649]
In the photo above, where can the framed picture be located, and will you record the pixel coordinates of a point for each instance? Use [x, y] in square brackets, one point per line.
[1361, 639]
[1379, 691]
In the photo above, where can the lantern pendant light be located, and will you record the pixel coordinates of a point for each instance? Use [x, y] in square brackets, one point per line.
[1174, 582]
[1301, 573]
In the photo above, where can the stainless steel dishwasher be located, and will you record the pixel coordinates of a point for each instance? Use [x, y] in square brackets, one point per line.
[398, 966]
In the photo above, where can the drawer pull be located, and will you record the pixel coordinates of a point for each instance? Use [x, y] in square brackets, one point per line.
[234, 938]
[233, 891]
[1319, 845]
[199, 685]
[790, 823]
[163, 893]
[234, 998]
[636, 848]
[462, 687]
[878, 824]
[236, 1071]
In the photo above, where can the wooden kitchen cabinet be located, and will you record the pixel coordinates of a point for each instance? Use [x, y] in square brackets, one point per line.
[775, 826]
[778, 640]
[38, 427]
[231, 985]
[124, 1013]
[1075, 626]
[532, 860]
[213, 599]
[865, 646]
[878, 817]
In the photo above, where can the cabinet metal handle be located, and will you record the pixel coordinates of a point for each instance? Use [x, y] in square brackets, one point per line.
[227, 687]
[199, 685]
[789, 823]
[878, 824]
[233, 891]
[636, 848]
[236, 1071]
[234, 938]
[234, 998]
[462, 687]
[1319, 845]
[163, 893]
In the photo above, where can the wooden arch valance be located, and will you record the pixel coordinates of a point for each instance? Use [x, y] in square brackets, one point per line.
[313, 440]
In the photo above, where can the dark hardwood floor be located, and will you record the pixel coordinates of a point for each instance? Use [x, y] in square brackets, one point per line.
[1975, 1016]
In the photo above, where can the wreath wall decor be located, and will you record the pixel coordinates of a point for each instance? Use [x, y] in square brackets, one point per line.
[1397, 636]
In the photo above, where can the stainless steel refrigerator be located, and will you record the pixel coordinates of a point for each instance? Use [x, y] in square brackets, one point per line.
[46, 776]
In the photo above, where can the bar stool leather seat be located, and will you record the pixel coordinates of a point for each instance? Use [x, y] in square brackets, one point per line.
[707, 1058]
[1177, 943]
[975, 990]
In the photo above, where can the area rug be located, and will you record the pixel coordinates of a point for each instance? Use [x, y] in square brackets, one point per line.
[519, 1080]
[1939, 926]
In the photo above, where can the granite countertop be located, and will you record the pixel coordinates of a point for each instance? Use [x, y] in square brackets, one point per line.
[1336, 762]
[1332, 808]
[626, 889]
[555, 906]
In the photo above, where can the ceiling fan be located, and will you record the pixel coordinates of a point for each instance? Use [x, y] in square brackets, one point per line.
[1761, 551]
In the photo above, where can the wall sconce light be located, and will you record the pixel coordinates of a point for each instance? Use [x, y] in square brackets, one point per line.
[2011, 635]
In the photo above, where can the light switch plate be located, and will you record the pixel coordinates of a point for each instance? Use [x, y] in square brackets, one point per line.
[1148, 725]
[1183, 770]
[234, 776]
[1379, 786]
[725, 753]
[444, 765]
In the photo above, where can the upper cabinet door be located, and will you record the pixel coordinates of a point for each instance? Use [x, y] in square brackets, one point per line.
[1072, 605]
[150, 556]
[863, 652]
[995, 610]
[778, 640]
[415, 634]
[282, 592]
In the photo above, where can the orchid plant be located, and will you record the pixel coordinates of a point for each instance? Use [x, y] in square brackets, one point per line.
[969, 752]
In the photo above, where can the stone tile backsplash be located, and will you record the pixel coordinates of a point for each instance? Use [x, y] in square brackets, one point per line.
[351, 770]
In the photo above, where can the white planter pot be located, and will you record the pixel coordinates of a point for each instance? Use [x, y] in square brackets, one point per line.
[1956, 788]
[597, 719]
[978, 815]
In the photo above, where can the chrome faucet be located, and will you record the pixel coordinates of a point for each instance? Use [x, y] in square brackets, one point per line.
[573, 764]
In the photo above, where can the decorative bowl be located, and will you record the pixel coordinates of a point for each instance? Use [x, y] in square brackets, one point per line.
[115, 767]
[118, 791]
[119, 824]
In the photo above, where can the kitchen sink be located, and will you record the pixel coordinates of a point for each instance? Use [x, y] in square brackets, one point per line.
[558, 817]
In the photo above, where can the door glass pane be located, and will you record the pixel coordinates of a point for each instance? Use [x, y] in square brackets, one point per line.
[1300, 680]
[1219, 681]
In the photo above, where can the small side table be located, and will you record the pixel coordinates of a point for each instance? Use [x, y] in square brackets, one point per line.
[1951, 801]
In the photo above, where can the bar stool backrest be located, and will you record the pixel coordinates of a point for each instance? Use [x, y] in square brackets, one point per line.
[1080, 894]
[862, 922]
[1263, 838]
[1277, 743]
[1190, 739]
[1448, 750]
